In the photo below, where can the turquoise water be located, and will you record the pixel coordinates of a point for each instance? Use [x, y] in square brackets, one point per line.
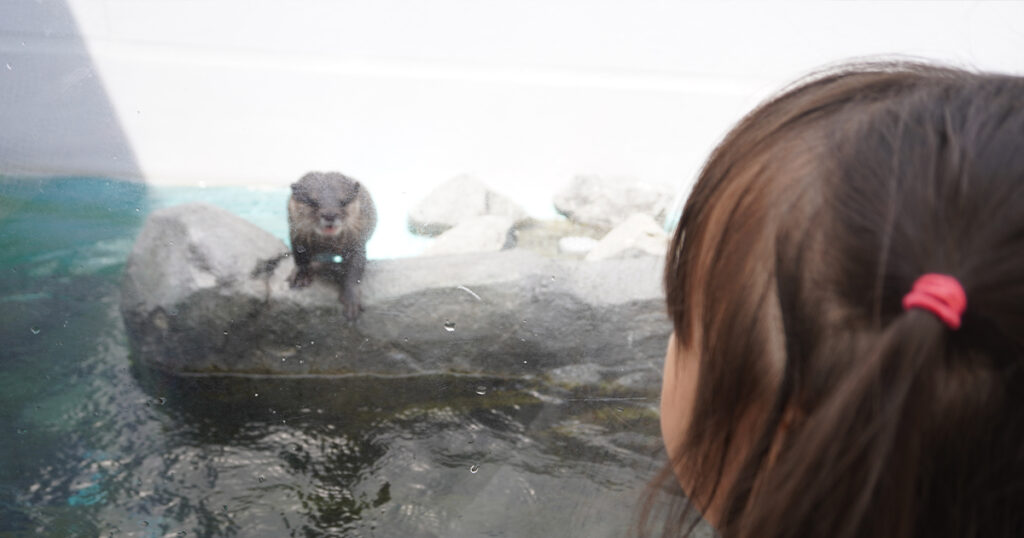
[94, 446]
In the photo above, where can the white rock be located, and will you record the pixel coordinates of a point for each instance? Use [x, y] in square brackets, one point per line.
[457, 199]
[575, 244]
[484, 233]
[639, 235]
[606, 202]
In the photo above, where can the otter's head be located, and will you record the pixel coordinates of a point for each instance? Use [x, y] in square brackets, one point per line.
[325, 202]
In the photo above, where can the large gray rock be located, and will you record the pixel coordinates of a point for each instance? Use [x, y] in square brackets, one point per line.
[190, 304]
[456, 200]
[605, 202]
[483, 233]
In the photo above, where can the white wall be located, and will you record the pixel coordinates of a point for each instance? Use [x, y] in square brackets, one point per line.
[405, 94]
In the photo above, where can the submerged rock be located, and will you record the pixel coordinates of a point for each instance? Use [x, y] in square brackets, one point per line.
[577, 374]
[191, 305]
[645, 379]
[456, 200]
[605, 202]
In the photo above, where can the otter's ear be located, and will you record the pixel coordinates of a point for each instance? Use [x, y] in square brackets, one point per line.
[355, 188]
[301, 194]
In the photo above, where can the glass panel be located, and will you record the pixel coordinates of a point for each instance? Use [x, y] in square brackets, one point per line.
[162, 376]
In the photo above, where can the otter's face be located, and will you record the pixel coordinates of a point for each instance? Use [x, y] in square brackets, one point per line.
[324, 202]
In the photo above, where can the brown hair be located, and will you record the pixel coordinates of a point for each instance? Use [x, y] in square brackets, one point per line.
[806, 227]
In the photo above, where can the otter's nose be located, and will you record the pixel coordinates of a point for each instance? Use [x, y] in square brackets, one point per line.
[329, 216]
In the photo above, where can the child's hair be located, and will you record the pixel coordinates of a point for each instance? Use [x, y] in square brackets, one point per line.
[807, 227]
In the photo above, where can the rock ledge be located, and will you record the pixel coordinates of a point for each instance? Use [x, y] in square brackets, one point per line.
[191, 305]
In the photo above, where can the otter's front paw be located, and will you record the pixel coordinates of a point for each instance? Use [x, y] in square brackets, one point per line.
[352, 311]
[350, 301]
[300, 277]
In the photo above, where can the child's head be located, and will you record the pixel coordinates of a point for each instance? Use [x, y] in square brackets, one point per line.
[800, 397]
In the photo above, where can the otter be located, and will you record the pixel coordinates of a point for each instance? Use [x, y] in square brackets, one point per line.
[331, 215]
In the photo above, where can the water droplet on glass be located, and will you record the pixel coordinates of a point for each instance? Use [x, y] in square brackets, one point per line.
[283, 359]
[474, 468]
[255, 395]
[137, 210]
[481, 390]
[225, 333]
[8, 66]
[524, 362]
[262, 478]
[35, 330]
[311, 342]
[21, 431]
[449, 326]
[336, 259]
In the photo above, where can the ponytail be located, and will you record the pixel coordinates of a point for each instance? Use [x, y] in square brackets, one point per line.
[850, 468]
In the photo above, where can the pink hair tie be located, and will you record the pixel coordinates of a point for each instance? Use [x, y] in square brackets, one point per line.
[941, 295]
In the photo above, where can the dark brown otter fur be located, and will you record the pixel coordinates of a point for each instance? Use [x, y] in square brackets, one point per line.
[330, 215]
